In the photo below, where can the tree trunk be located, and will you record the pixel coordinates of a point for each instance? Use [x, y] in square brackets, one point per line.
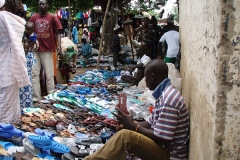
[103, 31]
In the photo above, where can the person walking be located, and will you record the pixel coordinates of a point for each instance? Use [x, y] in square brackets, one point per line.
[173, 45]
[13, 70]
[48, 29]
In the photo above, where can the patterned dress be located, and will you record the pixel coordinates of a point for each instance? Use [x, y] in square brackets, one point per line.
[25, 93]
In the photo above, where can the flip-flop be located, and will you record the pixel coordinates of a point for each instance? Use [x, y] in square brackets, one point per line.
[42, 132]
[17, 140]
[55, 147]
[24, 156]
[79, 151]
[47, 157]
[30, 148]
[3, 151]
[41, 140]
[14, 149]
[69, 156]
[7, 131]
[90, 141]
[96, 146]
[6, 145]
[7, 157]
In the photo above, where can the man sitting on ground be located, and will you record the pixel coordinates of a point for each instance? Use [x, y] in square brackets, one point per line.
[166, 133]
[86, 48]
[137, 70]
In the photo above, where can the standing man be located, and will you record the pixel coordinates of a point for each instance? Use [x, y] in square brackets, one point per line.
[164, 136]
[48, 28]
[173, 45]
[13, 70]
[116, 48]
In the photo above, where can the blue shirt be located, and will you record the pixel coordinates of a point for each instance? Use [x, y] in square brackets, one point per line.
[86, 49]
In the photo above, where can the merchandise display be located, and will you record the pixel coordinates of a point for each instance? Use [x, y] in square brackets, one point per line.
[75, 120]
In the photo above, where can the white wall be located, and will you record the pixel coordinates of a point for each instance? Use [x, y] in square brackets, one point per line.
[209, 65]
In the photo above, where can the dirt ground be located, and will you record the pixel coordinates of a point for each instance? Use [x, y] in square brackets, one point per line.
[62, 79]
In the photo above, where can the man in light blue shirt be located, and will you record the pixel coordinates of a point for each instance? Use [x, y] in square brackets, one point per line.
[86, 48]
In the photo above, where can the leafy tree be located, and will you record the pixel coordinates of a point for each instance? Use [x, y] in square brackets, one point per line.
[175, 13]
[76, 5]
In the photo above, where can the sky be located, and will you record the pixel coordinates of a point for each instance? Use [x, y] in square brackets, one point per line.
[168, 8]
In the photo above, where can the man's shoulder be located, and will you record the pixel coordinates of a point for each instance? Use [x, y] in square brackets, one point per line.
[171, 95]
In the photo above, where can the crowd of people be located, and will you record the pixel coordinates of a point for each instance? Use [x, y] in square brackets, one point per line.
[28, 46]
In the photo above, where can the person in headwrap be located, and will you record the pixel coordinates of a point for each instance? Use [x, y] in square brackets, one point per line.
[13, 70]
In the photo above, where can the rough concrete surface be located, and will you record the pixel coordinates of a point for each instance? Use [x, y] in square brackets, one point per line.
[210, 43]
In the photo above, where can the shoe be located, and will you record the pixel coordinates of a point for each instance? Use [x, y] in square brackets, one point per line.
[116, 27]
[95, 23]
[117, 9]
[128, 21]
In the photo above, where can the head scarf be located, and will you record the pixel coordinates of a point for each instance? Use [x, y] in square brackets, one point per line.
[2, 2]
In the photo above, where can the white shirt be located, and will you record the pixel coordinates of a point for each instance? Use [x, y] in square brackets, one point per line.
[144, 60]
[173, 40]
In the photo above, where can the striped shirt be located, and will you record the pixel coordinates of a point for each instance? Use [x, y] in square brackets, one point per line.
[170, 119]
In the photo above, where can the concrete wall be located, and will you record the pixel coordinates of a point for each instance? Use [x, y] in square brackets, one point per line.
[210, 41]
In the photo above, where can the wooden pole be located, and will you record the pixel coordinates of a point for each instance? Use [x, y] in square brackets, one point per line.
[69, 20]
[130, 40]
[103, 31]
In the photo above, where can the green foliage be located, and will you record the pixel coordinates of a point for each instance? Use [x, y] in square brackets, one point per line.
[143, 5]
[154, 13]
[175, 13]
[76, 5]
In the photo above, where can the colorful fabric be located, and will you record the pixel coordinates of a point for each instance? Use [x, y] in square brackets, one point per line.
[31, 38]
[25, 93]
[12, 56]
[75, 35]
[45, 28]
[170, 119]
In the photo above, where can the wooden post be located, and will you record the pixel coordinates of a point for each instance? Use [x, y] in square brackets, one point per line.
[103, 31]
[69, 20]
[130, 40]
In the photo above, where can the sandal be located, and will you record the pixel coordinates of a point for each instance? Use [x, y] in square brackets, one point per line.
[51, 122]
[66, 133]
[28, 120]
[90, 141]
[24, 156]
[110, 122]
[89, 120]
[27, 128]
[79, 151]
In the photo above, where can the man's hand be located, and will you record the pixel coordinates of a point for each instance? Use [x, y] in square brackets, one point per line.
[132, 69]
[125, 120]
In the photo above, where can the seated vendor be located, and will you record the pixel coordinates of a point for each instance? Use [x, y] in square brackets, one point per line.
[86, 48]
[166, 133]
[137, 70]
